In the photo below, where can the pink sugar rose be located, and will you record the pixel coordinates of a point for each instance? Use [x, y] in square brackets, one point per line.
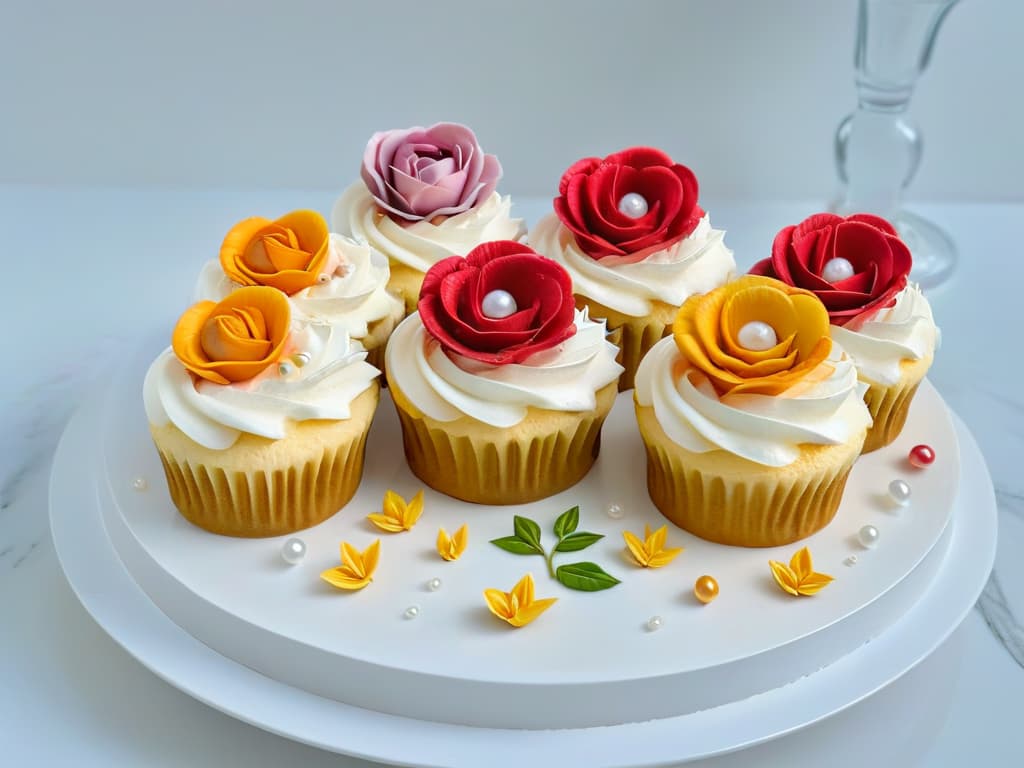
[419, 173]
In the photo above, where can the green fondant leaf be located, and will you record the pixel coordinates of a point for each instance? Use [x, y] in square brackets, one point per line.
[574, 542]
[566, 523]
[585, 577]
[528, 531]
[516, 546]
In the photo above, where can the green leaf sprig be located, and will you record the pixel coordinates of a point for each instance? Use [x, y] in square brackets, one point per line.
[584, 576]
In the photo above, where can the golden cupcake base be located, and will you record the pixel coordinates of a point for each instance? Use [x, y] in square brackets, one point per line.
[889, 405]
[547, 452]
[405, 283]
[260, 487]
[634, 336]
[729, 500]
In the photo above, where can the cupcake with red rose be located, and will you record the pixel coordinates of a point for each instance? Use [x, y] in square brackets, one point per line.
[630, 232]
[858, 266]
[751, 415]
[500, 383]
[326, 276]
[260, 415]
[425, 194]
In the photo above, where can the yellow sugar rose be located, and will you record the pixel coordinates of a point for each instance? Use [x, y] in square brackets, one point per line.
[288, 254]
[236, 339]
[755, 335]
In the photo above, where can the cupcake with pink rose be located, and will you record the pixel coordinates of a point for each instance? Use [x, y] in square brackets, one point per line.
[630, 232]
[858, 266]
[425, 194]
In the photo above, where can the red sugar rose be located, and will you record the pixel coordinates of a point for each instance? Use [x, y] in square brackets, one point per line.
[592, 190]
[880, 262]
[452, 296]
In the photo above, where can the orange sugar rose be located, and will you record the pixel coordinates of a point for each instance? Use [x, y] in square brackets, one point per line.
[236, 339]
[288, 254]
[784, 333]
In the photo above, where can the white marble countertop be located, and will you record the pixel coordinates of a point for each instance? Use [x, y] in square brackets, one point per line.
[88, 272]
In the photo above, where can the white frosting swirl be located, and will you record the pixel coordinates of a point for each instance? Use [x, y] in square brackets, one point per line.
[214, 415]
[447, 386]
[695, 264]
[355, 296]
[765, 429]
[422, 244]
[904, 331]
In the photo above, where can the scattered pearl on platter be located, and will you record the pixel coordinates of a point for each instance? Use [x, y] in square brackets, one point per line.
[868, 536]
[498, 304]
[412, 612]
[705, 589]
[851, 560]
[921, 456]
[899, 491]
[615, 512]
[836, 269]
[434, 584]
[293, 550]
[140, 484]
[654, 623]
[757, 336]
[633, 205]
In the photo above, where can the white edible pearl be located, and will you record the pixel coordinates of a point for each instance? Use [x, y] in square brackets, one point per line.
[851, 560]
[300, 359]
[412, 612]
[615, 512]
[323, 278]
[868, 536]
[899, 490]
[140, 484]
[293, 550]
[757, 336]
[837, 269]
[498, 304]
[633, 205]
[654, 623]
[434, 584]
[285, 369]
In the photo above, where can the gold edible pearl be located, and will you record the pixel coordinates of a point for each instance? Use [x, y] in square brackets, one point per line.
[705, 589]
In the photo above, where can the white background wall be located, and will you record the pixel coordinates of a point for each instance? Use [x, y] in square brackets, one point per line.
[286, 93]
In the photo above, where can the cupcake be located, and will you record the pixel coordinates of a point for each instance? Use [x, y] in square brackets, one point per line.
[636, 243]
[425, 194]
[858, 267]
[327, 276]
[752, 416]
[500, 383]
[260, 416]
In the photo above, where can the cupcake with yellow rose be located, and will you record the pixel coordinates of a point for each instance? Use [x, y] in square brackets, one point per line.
[858, 266]
[630, 232]
[260, 415]
[425, 194]
[751, 414]
[500, 383]
[327, 276]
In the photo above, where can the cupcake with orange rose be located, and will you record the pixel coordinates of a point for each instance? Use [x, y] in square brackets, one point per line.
[425, 194]
[500, 383]
[327, 276]
[629, 230]
[751, 414]
[260, 415]
[858, 266]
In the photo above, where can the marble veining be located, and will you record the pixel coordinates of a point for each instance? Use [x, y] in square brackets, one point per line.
[995, 609]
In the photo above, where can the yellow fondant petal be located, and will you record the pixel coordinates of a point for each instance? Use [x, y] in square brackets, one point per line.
[801, 564]
[460, 541]
[664, 557]
[784, 577]
[444, 544]
[528, 613]
[413, 510]
[813, 583]
[339, 578]
[636, 549]
[523, 590]
[656, 540]
[370, 558]
[499, 603]
[386, 523]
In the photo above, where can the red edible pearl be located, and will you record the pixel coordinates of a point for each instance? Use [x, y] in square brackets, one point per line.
[921, 456]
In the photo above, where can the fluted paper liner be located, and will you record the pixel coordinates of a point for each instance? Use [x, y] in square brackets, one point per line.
[545, 453]
[889, 405]
[728, 500]
[634, 336]
[260, 487]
